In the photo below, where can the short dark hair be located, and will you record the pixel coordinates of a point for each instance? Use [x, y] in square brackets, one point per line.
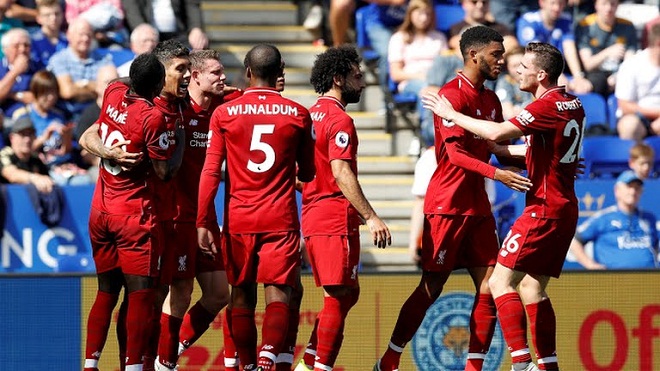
[167, 50]
[477, 37]
[146, 73]
[197, 57]
[44, 82]
[264, 61]
[337, 61]
[548, 58]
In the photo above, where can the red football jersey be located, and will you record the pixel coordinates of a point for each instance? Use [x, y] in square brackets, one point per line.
[166, 190]
[196, 124]
[262, 135]
[129, 117]
[325, 210]
[554, 124]
[457, 186]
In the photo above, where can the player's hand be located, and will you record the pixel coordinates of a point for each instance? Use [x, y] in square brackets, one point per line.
[379, 232]
[206, 241]
[580, 167]
[438, 105]
[513, 180]
[198, 39]
[126, 160]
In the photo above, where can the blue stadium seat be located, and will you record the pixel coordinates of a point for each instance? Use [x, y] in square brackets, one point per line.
[612, 108]
[446, 15]
[119, 56]
[362, 40]
[605, 156]
[595, 109]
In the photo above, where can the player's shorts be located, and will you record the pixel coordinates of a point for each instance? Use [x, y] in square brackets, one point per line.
[184, 258]
[334, 259]
[458, 241]
[129, 242]
[537, 246]
[270, 258]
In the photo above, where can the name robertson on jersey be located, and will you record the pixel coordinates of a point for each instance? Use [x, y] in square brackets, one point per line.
[568, 106]
[262, 109]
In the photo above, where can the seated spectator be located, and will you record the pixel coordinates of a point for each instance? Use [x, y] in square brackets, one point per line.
[604, 41]
[638, 91]
[180, 19]
[551, 25]
[54, 136]
[26, 12]
[76, 68]
[507, 87]
[508, 11]
[16, 72]
[413, 47]
[18, 163]
[642, 157]
[381, 21]
[623, 235]
[106, 17]
[7, 23]
[49, 38]
[476, 13]
[143, 40]
[646, 30]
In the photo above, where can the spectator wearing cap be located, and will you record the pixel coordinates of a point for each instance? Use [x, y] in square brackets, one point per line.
[623, 235]
[18, 163]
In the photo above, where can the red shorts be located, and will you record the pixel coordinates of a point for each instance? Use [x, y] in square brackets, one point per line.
[537, 246]
[270, 258]
[334, 259]
[458, 241]
[129, 242]
[183, 259]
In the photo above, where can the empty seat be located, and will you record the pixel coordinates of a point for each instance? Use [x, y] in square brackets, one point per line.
[605, 156]
[595, 109]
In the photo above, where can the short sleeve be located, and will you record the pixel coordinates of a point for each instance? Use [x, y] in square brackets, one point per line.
[588, 230]
[342, 139]
[395, 48]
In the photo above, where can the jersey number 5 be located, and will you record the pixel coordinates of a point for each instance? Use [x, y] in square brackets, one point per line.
[258, 145]
[108, 141]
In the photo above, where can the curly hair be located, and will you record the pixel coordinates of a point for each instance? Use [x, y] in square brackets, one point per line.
[477, 37]
[336, 61]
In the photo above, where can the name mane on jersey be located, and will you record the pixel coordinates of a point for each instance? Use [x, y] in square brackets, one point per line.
[199, 139]
[262, 109]
[568, 106]
[115, 114]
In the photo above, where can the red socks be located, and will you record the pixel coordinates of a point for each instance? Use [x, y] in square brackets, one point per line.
[98, 324]
[229, 353]
[511, 313]
[543, 325]
[330, 331]
[138, 324]
[310, 352]
[482, 328]
[273, 333]
[168, 344]
[196, 321]
[244, 333]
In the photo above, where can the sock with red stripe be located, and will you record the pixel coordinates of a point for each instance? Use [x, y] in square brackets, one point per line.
[482, 327]
[229, 353]
[511, 313]
[410, 318]
[196, 321]
[168, 344]
[138, 324]
[244, 333]
[273, 333]
[543, 326]
[98, 324]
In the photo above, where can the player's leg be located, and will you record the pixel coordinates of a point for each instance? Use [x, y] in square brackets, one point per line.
[141, 295]
[285, 358]
[100, 315]
[275, 324]
[483, 319]
[174, 308]
[229, 352]
[337, 302]
[542, 320]
[243, 327]
[308, 359]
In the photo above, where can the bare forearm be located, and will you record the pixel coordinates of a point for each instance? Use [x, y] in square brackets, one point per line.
[350, 187]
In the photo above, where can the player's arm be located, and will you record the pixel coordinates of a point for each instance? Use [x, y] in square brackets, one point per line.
[494, 131]
[350, 187]
[577, 248]
[91, 141]
[167, 169]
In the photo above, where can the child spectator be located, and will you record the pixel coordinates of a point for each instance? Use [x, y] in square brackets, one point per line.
[641, 160]
[49, 38]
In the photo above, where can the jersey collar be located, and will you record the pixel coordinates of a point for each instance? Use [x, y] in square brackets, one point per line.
[552, 90]
[262, 90]
[334, 100]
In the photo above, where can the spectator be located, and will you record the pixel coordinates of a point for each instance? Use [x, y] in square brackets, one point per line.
[26, 11]
[604, 41]
[507, 87]
[49, 39]
[641, 160]
[477, 13]
[76, 68]
[381, 21]
[413, 47]
[174, 19]
[339, 19]
[638, 91]
[623, 235]
[551, 25]
[92, 112]
[106, 17]
[18, 163]
[6, 22]
[508, 11]
[143, 40]
[647, 30]
[16, 71]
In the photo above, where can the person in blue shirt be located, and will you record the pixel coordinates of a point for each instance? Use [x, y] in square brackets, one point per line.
[623, 235]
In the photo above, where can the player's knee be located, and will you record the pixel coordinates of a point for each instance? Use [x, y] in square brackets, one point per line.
[215, 301]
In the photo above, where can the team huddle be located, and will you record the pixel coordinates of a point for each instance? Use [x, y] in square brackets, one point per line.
[170, 133]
